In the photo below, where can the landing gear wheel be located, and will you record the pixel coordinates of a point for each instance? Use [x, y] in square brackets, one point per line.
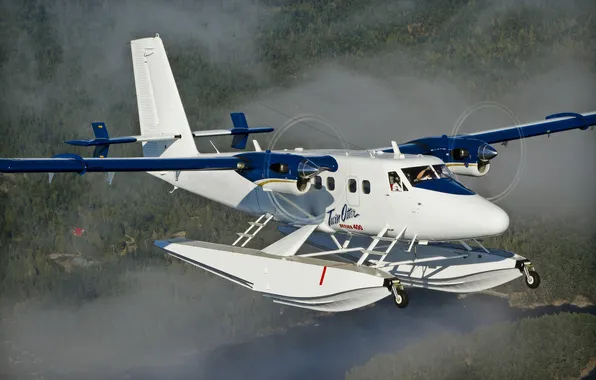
[401, 298]
[532, 279]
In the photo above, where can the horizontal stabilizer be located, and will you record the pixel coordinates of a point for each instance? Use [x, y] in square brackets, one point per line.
[102, 142]
[228, 132]
[120, 140]
[240, 131]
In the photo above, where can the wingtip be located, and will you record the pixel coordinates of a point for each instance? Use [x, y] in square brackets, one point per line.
[161, 243]
[164, 243]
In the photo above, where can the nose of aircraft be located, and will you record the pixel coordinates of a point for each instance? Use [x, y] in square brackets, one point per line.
[494, 221]
[482, 217]
[463, 217]
[440, 216]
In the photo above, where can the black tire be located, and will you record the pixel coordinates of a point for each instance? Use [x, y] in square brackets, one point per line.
[401, 298]
[533, 280]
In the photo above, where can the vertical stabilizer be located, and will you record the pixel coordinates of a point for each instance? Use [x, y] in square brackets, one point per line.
[160, 108]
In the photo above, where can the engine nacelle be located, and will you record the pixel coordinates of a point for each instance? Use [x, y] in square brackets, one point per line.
[463, 155]
[479, 169]
[292, 187]
[284, 172]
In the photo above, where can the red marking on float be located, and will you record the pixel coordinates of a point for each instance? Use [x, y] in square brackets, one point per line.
[323, 275]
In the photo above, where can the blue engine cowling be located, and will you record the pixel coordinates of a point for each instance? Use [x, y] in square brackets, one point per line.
[464, 155]
[284, 172]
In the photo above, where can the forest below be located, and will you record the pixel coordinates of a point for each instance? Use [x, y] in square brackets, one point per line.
[80, 239]
[527, 349]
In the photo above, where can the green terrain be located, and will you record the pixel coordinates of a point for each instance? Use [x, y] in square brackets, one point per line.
[60, 70]
[561, 346]
[564, 250]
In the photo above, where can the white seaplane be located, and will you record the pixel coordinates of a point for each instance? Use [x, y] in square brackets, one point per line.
[382, 219]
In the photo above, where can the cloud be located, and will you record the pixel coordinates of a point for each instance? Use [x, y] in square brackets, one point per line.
[164, 317]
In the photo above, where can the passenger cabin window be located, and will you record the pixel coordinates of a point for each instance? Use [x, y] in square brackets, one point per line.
[318, 183]
[366, 187]
[395, 182]
[419, 173]
[330, 183]
[352, 185]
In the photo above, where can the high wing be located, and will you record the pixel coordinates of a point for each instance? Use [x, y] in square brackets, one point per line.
[469, 154]
[555, 123]
[254, 166]
[77, 164]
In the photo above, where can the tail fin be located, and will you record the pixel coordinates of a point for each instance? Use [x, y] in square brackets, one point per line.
[160, 108]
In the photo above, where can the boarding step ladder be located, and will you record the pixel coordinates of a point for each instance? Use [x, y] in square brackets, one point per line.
[380, 237]
[249, 233]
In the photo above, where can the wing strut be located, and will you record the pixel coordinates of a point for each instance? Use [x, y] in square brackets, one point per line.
[372, 245]
[289, 245]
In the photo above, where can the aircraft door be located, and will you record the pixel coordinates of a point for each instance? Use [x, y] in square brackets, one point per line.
[352, 191]
[399, 200]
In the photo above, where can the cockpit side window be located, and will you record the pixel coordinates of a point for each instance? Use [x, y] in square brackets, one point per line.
[395, 182]
[419, 173]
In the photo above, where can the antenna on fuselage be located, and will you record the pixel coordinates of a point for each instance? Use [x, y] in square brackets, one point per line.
[396, 152]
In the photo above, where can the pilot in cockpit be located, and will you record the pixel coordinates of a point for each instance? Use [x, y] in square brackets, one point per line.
[425, 174]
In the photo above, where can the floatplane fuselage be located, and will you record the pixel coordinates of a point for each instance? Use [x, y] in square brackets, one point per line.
[368, 192]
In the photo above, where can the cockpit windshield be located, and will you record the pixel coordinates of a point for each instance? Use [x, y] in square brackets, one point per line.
[437, 178]
[424, 173]
[443, 171]
[419, 173]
